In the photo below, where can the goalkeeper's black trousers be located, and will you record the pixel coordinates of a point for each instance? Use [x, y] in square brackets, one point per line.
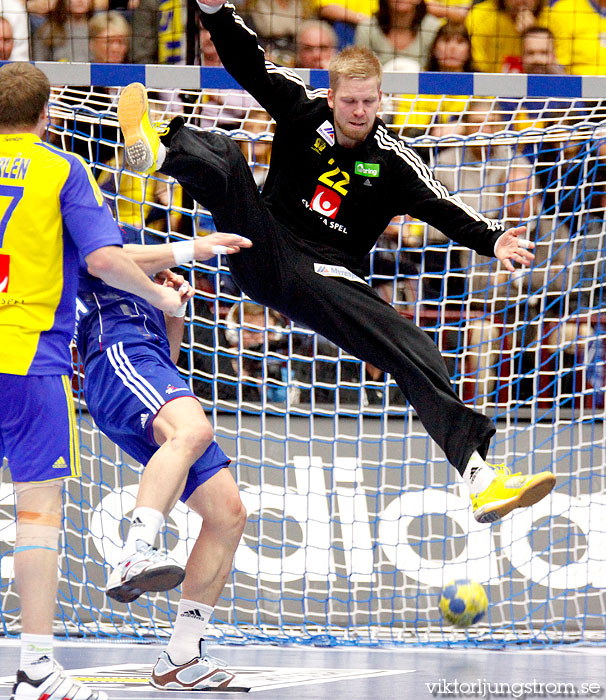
[279, 273]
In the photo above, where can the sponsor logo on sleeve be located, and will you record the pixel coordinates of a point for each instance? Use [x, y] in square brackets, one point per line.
[319, 145]
[327, 132]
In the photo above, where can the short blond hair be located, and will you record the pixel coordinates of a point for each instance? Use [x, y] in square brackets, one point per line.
[354, 62]
[24, 92]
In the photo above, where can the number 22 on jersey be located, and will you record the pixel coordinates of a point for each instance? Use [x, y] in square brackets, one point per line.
[336, 178]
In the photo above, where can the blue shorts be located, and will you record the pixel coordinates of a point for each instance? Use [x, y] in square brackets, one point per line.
[38, 431]
[125, 387]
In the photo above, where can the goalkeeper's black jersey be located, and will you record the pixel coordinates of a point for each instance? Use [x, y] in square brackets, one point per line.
[336, 201]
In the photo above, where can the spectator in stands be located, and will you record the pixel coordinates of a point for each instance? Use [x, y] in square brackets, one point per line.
[496, 28]
[257, 148]
[276, 22]
[483, 175]
[345, 16]
[538, 52]
[399, 28]
[110, 35]
[241, 362]
[326, 375]
[563, 165]
[538, 56]
[539, 303]
[88, 134]
[6, 39]
[450, 51]
[476, 169]
[316, 44]
[64, 34]
[15, 13]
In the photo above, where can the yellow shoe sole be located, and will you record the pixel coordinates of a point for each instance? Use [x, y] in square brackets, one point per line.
[134, 122]
[528, 495]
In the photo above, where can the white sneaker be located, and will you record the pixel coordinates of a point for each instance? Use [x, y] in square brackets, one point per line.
[56, 686]
[147, 570]
[201, 673]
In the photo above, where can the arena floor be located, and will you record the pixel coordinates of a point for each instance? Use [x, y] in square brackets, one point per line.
[287, 673]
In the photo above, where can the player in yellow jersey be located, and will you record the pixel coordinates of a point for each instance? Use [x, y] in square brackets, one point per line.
[52, 220]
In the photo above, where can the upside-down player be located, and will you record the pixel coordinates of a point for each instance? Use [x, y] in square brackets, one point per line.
[53, 218]
[135, 394]
[337, 177]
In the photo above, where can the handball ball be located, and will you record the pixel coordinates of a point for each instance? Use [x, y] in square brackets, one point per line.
[463, 602]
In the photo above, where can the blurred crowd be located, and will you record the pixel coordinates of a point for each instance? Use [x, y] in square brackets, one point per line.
[409, 35]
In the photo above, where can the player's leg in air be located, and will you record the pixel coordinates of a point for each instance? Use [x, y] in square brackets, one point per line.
[184, 435]
[37, 436]
[494, 491]
[137, 398]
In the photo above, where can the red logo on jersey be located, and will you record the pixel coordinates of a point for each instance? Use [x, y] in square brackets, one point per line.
[4, 266]
[326, 202]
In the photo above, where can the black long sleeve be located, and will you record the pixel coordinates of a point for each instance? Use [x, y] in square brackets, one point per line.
[336, 201]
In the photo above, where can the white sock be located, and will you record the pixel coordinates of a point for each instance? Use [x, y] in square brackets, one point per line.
[209, 9]
[161, 157]
[477, 475]
[190, 624]
[145, 525]
[36, 655]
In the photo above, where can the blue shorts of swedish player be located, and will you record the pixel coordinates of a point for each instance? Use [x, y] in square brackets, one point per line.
[38, 431]
[125, 387]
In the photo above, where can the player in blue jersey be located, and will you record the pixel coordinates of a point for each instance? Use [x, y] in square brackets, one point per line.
[138, 399]
[53, 219]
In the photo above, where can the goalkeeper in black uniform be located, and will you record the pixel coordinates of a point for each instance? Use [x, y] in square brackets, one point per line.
[337, 178]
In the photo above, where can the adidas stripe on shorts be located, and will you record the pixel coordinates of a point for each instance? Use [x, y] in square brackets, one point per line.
[125, 387]
[38, 432]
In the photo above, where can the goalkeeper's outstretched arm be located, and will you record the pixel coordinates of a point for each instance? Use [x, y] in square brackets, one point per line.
[279, 90]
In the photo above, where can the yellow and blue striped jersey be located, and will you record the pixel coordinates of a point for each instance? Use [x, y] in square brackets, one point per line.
[52, 215]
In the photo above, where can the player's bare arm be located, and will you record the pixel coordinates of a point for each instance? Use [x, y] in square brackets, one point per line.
[154, 258]
[115, 268]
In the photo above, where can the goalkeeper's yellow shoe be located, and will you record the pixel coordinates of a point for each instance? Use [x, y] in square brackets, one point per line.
[508, 491]
[141, 140]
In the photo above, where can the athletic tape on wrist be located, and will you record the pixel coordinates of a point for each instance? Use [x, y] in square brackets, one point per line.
[180, 312]
[184, 252]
